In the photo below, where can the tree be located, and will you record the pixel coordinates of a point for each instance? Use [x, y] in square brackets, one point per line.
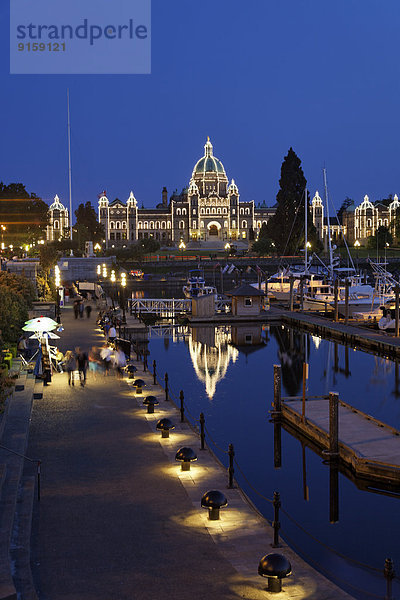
[16, 296]
[24, 215]
[381, 238]
[86, 218]
[48, 259]
[345, 205]
[264, 244]
[286, 227]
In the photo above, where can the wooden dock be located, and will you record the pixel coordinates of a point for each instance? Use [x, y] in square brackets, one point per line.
[353, 334]
[369, 447]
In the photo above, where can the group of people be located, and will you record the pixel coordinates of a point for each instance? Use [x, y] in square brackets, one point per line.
[107, 322]
[99, 361]
[80, 307]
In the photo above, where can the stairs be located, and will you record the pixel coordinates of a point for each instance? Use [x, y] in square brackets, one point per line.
[16, 494]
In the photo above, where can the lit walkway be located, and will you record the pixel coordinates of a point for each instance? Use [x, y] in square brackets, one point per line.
[117, 521]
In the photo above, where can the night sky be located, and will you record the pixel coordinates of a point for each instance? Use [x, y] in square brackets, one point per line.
[257, 77]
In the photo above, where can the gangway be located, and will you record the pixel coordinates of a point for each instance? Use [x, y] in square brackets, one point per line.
[164, 308]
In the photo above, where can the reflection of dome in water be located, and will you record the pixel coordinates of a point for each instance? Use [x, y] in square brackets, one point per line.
[211, 362]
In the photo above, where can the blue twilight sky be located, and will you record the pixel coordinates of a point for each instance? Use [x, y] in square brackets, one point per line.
[256, 76]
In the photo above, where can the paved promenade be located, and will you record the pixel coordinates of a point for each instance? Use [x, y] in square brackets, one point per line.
[119, 521]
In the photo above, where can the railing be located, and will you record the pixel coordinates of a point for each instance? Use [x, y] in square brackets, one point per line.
[163, 308]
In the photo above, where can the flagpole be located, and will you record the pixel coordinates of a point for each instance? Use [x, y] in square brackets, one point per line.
[69, 168]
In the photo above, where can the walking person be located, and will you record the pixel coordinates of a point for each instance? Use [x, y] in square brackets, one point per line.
[70, 366]
[76, 308]
[105, 355]
[83, 362]
[88, 310]
[81, 309]
[119, 361]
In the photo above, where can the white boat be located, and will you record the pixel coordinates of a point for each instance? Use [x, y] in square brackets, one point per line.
[196, 285]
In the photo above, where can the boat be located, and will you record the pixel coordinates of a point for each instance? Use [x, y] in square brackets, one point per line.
[196, 286]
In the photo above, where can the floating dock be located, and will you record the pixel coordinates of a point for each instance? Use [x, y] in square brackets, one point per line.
[369, 447]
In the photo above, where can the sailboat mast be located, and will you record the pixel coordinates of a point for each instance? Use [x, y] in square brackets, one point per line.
[306, 232]
[329, 225]
[69, 167]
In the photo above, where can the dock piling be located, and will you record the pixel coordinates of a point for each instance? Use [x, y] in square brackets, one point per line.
[336, 292]
[333, 424]
[277, 389]
[202, 433]
[154, 373]
[346, 302]
[166, 386]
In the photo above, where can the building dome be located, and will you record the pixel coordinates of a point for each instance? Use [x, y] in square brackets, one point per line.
[209, 173]
[57, 204]
[208, 163]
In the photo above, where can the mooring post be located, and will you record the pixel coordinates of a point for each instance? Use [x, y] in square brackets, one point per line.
[396, 291]
[166, 387]
[333, 424]
[182, 409]
[336, 292]
[231, 470]
[277, 444]
[389, 574]
[301, 293]
[291, 282]
[346, 302]
[277, 405]
[202, 433]
[305, 377]
[275, 523]
[333, 491]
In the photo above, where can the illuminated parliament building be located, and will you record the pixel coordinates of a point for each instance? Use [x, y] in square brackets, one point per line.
[208, 209]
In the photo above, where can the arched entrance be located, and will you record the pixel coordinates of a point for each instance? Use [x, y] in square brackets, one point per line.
[213, 229]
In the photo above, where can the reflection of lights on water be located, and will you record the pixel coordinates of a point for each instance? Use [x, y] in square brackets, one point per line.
[211, 362]
[317, 341]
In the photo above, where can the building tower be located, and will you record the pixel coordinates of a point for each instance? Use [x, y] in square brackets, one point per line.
[317, 208]
[58, 226]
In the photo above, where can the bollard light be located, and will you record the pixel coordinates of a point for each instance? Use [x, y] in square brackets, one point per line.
[274, 567]
[185, 456]
[213, 500]
[165, 426]
[131, 370]
[139, 384]
[150, 402]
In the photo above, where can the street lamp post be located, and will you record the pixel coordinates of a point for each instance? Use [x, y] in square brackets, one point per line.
[113, 279]
[58, 283]
[356, 246]
[123, 286]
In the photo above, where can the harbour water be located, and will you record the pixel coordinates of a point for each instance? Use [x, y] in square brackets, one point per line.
[227, 373]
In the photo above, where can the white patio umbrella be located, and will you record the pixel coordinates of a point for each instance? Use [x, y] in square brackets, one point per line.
[48, 334]
[40, 324]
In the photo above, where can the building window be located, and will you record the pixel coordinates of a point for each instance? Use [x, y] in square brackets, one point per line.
[118, 236]
[194, 224]
[112, 225]
[56, 225]
[218, 211]
[233, 223]
[158, 225]
[151, 224]
[234, 211]
[194, 211]
[225, 224]
[207, 211]
[145, 225]
[241, 211]
[247, 211]
[201, 223]
[181, 224]
[369, 223]
[140, 225]
[169, 225]
[202, 211]
[112, 236]
[163, 225]
[225, 211]
[244, 235]
[178, 211]
[118, 225]
[123, 224]
[248, 302]
[248, 338]
[244, 224]
[184, 211]
[259, 224]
